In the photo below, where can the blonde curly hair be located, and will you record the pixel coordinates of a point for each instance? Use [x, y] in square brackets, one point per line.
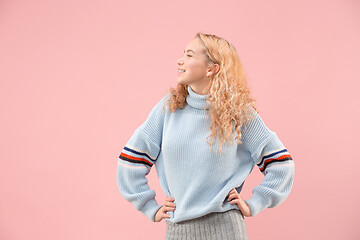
[229, 94]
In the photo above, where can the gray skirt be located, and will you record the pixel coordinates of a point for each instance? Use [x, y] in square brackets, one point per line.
[213, 226]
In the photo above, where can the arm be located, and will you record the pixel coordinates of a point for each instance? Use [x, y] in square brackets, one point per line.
[137, 158]
[274, 162]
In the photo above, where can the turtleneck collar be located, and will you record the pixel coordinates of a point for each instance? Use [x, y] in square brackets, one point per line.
[197, 100]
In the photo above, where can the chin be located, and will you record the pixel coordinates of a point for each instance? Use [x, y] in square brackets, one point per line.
[181, 80]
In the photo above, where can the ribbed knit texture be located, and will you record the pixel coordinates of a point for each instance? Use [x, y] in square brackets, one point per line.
[200, 180]
[229, 225]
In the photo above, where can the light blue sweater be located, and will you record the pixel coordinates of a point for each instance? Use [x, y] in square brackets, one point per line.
[200, 180]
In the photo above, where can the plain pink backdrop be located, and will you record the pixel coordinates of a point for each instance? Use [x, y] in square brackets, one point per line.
[78, 77]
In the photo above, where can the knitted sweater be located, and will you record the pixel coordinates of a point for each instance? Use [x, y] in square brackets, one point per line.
[199, 179]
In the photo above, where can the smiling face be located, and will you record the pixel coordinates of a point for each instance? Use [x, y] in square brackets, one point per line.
[194, 62]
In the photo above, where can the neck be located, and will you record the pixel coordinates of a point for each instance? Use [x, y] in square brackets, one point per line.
[197, 100]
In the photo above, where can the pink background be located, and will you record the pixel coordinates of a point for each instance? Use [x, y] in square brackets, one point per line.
[77, 78]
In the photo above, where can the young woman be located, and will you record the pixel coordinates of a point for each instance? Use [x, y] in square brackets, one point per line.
[211, 101]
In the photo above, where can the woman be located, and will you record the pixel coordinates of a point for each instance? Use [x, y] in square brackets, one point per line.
[211, 101]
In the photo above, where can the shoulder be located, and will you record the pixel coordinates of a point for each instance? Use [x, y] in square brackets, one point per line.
[161, 105]
[255, 127]
[159, 109]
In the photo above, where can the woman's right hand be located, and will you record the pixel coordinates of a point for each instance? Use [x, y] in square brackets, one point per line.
[168, 206]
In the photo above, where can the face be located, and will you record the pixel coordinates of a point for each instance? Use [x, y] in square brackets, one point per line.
[194, 62]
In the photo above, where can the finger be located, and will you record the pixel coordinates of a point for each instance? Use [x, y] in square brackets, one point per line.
[169, 208]
[169, 198]
[233, 191]
[170, 204]
[233, 195]
[234, 201]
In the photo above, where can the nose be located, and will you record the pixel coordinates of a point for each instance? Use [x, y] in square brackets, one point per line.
[180, 62]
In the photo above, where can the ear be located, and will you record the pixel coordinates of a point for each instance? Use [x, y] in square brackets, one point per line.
[213, 69]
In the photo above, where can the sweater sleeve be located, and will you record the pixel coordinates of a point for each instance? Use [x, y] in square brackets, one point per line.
[274, 162]
[136, 160]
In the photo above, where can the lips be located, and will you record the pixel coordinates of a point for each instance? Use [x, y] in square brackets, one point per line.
[181, 73]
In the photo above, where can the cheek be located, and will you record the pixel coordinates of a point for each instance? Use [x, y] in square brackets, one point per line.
[195, 69]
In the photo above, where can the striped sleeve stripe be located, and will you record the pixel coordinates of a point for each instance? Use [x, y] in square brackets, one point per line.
[134, 159]
[268, 159]
[132, 149]
[131, 166]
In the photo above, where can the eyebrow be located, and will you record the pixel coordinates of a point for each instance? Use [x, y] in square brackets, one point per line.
[189, 51]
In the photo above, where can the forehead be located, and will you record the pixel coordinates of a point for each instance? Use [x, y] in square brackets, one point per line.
[194, 45]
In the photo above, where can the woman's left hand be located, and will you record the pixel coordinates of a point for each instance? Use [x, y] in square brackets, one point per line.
[234, 197]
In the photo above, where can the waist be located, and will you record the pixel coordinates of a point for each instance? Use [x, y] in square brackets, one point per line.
[219, 217]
